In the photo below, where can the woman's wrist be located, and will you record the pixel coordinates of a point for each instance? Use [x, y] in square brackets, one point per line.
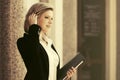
[34, 29]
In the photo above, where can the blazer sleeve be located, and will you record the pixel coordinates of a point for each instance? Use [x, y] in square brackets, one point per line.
[28, 45]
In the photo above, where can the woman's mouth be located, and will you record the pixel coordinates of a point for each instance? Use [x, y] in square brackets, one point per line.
[48, 26]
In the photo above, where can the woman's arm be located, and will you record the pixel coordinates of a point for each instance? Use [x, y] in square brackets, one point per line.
[28, 45]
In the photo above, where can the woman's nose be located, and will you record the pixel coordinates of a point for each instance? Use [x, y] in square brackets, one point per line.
[50, 21]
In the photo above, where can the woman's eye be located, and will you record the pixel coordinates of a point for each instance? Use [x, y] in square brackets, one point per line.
[46, 17]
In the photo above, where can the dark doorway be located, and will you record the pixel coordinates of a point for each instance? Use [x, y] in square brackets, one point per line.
[91, 38]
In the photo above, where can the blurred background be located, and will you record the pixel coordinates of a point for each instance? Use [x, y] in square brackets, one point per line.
[90, 27]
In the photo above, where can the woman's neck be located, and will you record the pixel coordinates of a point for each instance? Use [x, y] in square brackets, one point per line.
[43, 37]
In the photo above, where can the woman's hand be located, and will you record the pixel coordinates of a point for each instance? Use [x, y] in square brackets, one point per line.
[33, 19]
[70, 73]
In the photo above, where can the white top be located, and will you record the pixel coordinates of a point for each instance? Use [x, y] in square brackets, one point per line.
[53, 58]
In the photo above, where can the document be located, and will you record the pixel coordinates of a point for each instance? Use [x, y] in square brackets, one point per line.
[75, 62]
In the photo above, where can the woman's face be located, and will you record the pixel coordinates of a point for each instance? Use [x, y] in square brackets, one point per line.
[45, 20]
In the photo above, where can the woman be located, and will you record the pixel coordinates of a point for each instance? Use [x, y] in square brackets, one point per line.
[37, 50]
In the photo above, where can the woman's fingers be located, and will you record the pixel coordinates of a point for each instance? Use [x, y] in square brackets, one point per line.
[70, 73]
[33, 19]
[73, 69]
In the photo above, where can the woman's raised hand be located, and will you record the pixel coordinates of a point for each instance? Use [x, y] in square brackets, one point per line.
[33, 19]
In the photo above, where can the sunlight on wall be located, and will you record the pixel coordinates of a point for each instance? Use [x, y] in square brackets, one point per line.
[111, 40]
[27, 3]
[59, 27]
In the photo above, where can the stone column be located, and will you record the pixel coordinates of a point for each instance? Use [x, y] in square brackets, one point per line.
[69, 30]
[16, 64]
[12, 13]
[4, 39]
[11, 64]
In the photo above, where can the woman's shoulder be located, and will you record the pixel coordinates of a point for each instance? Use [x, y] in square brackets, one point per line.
[22, 40]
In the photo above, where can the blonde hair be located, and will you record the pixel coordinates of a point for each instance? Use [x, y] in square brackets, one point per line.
[39, 9]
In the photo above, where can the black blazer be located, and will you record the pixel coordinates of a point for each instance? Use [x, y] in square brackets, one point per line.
[34, 55]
